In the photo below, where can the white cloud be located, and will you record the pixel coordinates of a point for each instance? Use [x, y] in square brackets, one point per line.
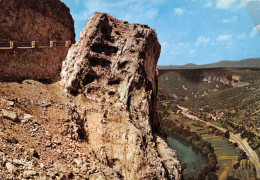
[208, 5]
[134, 11]
[179, 48]
[255, 31]
[192, 52]
[165, 47]
[202, 41]
[234, 18]
[243, 3]
[152, 13]
[179, 11]
[223, 37]
[130, 10]
[183, 44]
[235, 4]
[241, 36]
[225, 4]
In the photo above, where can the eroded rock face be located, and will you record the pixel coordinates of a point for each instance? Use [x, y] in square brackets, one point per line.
[34, 20]
[112, 70]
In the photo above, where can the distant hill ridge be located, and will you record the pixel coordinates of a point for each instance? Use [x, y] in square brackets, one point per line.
[246, 63]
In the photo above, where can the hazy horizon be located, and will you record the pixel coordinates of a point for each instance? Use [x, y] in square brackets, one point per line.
[206, 63]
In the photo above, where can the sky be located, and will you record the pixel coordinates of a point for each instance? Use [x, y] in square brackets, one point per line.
[189, 31]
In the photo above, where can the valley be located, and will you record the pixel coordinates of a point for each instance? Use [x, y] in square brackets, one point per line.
[82, 97]
[221, 107]
[232, 137]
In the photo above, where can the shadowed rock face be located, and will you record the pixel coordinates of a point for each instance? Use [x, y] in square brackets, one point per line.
[34, 20]
[112, 70]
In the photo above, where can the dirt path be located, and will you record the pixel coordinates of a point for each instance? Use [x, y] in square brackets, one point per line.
[224, 173]
[243, 144]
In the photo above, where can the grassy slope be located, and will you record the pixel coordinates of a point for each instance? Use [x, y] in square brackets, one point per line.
[240, 105]
[173, 82]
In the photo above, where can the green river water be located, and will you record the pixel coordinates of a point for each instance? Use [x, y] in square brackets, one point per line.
[187, 154]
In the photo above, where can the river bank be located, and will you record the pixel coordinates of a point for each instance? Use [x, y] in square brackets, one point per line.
[231, 162]
[192, 159]
[242, 143]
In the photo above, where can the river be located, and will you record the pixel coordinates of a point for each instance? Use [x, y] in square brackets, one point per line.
[188, 154]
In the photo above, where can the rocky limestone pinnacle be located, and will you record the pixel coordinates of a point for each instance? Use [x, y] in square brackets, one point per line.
[112, 72]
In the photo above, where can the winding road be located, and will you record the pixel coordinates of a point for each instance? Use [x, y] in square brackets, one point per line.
[243, 144]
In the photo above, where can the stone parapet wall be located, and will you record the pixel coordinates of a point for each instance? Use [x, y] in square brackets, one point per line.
[43, 64]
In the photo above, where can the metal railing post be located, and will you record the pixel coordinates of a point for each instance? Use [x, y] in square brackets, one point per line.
[11, 44]
[33, 44]
[51, 44]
